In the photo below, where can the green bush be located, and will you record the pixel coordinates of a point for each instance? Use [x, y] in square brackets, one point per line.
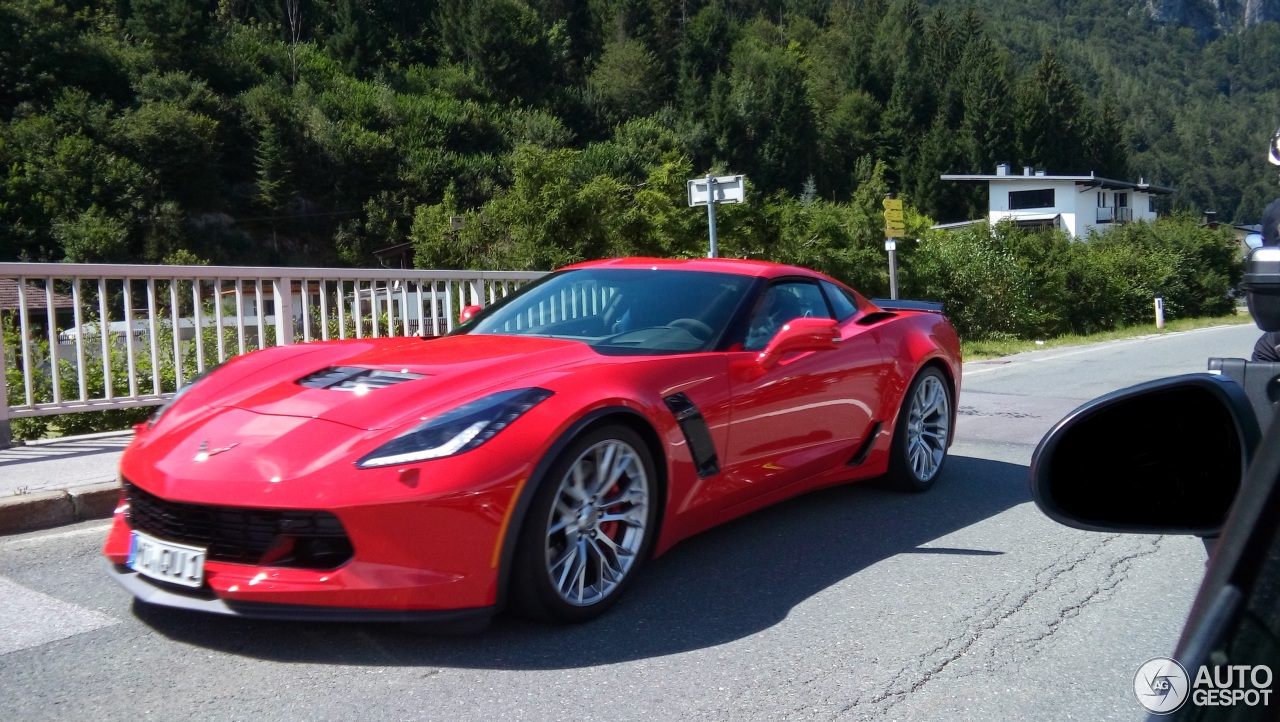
[1009, 282]
[996, 282]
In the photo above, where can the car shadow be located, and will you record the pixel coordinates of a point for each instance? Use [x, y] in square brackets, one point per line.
[725, 584]
[70, 449]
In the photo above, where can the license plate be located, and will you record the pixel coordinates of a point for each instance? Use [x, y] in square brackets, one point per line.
[166, 561]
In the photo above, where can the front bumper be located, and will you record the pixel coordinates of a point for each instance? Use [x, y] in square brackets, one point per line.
[160, 594]
[418, 556]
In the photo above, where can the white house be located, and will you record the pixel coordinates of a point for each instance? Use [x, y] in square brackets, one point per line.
[1078, 204]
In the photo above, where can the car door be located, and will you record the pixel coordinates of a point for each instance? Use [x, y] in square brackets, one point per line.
[808, 413]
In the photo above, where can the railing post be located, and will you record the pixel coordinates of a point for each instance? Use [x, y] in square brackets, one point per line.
[284, 310]
[6, 432]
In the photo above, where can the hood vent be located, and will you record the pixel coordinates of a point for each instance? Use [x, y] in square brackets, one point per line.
[358, 380]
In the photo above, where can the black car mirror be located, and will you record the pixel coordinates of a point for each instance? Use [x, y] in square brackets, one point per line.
[1164, 457]
[1261, 283]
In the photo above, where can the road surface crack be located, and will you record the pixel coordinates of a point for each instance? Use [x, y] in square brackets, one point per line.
[978, 627]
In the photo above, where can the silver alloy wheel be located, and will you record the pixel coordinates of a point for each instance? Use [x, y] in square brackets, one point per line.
[597, 522]
[928, 428]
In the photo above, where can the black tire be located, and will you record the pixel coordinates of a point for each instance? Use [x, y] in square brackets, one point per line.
[920, 440]
[544, 590]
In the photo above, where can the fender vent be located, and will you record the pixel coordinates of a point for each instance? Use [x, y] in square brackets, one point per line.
[875, 317]
[860, 455]
[350, 378]
[696, 433]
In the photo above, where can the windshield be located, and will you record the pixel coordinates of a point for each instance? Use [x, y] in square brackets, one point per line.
[636, 310]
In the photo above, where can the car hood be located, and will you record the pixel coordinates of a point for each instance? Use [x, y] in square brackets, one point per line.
[412, 378]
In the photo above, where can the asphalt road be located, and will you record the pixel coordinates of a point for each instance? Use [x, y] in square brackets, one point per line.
[853, 603]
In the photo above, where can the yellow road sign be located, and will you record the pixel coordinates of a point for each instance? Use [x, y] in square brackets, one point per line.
[893, 204]
[893, 214]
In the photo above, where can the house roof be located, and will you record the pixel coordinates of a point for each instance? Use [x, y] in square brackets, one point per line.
[1088, 181]
[35, 296]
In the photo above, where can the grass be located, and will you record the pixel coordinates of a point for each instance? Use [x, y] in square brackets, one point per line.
[977, 350]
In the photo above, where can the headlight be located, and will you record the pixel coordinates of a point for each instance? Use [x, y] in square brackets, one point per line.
[454, 432]
[155, 418]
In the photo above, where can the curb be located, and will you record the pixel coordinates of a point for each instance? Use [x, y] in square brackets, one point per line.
[45, 509]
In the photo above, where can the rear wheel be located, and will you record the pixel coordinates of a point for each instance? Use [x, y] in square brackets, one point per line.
[589, 529]
[922, 433]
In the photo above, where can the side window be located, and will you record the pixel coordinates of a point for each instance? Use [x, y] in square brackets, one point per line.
[840, 301]
[781, 303]
[1022, 200]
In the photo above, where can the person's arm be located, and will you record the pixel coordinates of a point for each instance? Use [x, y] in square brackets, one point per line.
[1271, 224]
[1266, 348]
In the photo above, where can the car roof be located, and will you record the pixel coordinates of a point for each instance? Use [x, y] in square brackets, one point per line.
[736, 266]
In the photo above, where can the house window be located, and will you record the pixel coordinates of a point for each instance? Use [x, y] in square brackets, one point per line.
[1151, 204]
[1102, 199]
[1022, 200]
[1122, 200]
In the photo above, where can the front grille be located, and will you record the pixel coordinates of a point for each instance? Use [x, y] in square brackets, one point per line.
[234, 534]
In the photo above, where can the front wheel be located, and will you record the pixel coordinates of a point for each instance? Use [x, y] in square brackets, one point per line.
[922, 433]
[589, 528]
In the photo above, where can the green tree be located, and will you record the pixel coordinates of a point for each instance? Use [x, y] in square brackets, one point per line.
[762, 119]
[512, 51]
[1106, 142]
[1051, 118]
[353, 40]
[627, 82]
[175, 29]
[988, 110]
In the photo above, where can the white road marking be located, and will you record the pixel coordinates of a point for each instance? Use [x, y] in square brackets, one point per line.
[28, 542]
[32, 619]
[1089, 349]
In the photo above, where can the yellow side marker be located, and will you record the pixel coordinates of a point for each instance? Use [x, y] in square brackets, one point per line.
[506, 519]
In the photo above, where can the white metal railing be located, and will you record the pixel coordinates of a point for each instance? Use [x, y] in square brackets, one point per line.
[1115, 215]
[88, 337]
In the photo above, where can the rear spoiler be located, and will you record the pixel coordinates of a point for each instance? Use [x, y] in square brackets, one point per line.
[889, 304]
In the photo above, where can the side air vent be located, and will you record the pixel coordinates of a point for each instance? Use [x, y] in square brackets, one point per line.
[696, 433]
[351, 378]
[875, 317]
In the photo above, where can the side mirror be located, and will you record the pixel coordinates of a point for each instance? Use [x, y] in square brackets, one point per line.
[800, 334]
[468, 313]
[1164, 457]
[1261, 283]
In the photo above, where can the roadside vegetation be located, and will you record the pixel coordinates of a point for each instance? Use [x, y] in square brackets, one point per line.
[313, 132]
[1010, 283]
[979, 350]
[526, 134]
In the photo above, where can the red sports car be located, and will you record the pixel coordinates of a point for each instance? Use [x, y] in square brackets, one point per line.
[538, 455]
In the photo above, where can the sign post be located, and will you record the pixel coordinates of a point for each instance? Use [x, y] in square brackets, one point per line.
[712, 190]
[894, 228]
